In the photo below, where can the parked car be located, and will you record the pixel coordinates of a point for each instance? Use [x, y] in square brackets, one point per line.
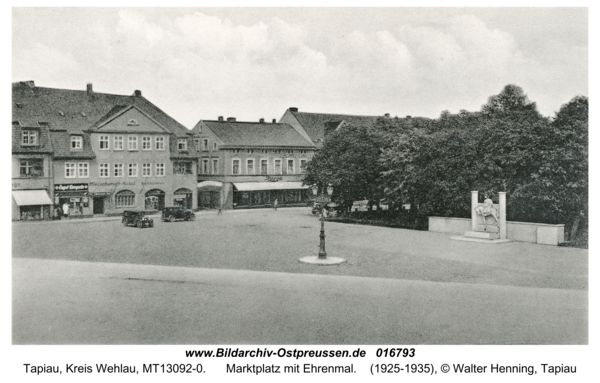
[173, 214]
[136, 218]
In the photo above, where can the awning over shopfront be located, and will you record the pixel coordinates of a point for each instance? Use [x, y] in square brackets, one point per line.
[210, 183]
[250, 186]
[31, 197]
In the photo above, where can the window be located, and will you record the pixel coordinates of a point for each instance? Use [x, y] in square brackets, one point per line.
[197, 143]
[132, 143]
[31, 168]
[83, 170]
[250, 166]
[29, 137]
[104, 143]
[160, 143]
[146, 143]
[76, 142]
[118, 170]
[182, 144]
[125, 198]
[303, 166]
[277, 166]
[182, 167]
[160, 170]
[235, 166]
[215, 169]
[290, 166]
[70, 169]
[146, 170]
[204, 166]
[132, 170]
[205, 144]
[118, 142]
[264, 168]
[103, 170]
[215, 147]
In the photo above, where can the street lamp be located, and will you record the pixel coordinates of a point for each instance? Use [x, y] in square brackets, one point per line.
[322, 199]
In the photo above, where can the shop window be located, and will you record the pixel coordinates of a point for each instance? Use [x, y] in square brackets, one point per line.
[118, 142]
[215, 169]
[290, 166]
[146, 143]
[125, 198]
[31, 168]
[264, 166]
[83, 170]
[250, 166]
[159, 143]
[277, 166]
[104, 143]
[182, 167]
[76, 142]
[160, 170]
[182, 144]
[29, 137]
[146, 170]
[118, 170]
[235, 166]
[132, 170]
[70, 168]
[132, 143]
[103, 170]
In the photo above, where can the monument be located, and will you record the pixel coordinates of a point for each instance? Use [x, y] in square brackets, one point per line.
[488, 219]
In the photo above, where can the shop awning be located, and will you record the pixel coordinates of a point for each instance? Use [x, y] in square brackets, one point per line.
[210, 183]
[31, 197]
[249, 186]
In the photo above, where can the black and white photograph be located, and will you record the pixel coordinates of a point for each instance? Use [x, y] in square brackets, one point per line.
[320, 192]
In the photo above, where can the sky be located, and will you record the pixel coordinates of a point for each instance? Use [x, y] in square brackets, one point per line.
[251, 63]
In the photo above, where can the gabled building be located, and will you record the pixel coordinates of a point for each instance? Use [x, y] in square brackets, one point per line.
[104, 154]
[316, 126]
[250, 164]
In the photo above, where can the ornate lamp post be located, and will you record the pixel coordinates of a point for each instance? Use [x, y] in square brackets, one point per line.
[322, 199]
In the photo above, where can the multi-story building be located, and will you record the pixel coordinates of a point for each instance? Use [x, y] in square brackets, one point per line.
[101, 153]
[250, 164]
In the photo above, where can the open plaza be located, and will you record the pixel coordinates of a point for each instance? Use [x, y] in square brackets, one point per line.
[235, 279]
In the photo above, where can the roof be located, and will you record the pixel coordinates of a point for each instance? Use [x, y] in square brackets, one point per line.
[44, 145]
[61, 145]
[257, 134]
[77, 110]
[315, 124]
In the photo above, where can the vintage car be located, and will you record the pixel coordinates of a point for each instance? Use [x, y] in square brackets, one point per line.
[136, 218]
[173, 214]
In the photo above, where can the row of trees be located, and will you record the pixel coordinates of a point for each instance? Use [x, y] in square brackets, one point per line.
[541, 162]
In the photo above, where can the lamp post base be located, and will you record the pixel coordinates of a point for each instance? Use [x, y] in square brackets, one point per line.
[315, 260]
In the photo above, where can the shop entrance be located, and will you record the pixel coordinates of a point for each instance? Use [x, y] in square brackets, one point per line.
[183, 198]
[98, 205]
[154, 200]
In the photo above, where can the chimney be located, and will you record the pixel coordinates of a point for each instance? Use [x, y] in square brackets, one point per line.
[387, 115]
[89, 88]
[262, 120]
[221, 118]
[274, 120]
[230, 119]
[138, 93]
[30, 83]
[294, 109]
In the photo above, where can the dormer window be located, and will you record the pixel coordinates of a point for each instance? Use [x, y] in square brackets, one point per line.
[29, 137]
[182, 144]
[132, 122]
[76, 142]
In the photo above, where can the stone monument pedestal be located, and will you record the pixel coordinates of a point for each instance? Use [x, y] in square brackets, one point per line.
[488, 220]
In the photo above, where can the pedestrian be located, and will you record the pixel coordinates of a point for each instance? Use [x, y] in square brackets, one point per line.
[275, 204]
[57, 212]
[220, 212]
[65, 209]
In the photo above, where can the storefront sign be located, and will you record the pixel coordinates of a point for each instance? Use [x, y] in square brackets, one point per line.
[273, 178]
[70, 187]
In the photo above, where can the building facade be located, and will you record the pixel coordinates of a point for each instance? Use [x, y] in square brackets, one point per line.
[250, 164]
[107, 153]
